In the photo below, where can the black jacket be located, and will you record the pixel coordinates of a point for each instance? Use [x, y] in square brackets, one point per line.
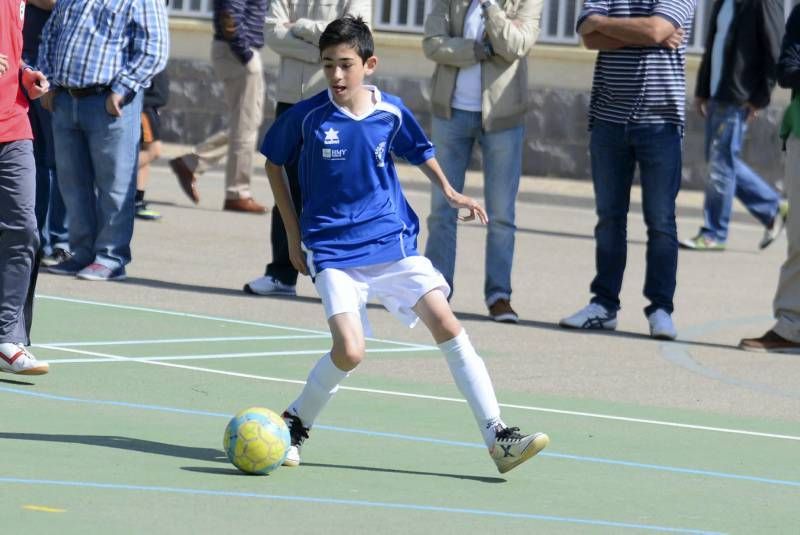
[157, 95]
[751, 53]
[789, 62]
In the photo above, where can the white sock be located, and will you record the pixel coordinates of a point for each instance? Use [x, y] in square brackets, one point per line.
[322, 383]
[472, 379]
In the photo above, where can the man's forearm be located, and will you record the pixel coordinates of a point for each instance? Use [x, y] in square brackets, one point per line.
[599, 41]
[641, 31]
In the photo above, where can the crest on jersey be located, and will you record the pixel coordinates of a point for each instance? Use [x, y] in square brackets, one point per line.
[380, 152]
[331, 137]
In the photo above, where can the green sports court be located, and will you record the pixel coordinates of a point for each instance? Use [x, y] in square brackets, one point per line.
[124, 435]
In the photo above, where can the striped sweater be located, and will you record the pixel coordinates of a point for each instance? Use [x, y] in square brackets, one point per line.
[240, 23]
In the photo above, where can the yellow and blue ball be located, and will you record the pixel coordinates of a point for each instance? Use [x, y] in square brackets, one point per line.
[256, 440]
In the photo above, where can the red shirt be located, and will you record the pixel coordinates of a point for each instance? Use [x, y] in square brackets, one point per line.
[14, 124]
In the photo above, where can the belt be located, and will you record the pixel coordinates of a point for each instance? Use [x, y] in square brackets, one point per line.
[80, 92]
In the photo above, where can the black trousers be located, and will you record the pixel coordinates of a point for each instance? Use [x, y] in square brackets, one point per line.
[281, 267]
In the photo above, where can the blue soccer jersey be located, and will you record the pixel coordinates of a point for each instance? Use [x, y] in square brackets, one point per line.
[354, 211]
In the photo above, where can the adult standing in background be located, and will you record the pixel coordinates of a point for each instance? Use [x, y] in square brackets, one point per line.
[293, 31]
[784, 337]
[19, 238]
[236, 58]
[479, 94]
[636, 117]
[736, 77]
[100, 55]
[50, 211]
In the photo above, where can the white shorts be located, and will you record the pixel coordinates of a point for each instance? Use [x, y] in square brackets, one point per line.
[397, 285]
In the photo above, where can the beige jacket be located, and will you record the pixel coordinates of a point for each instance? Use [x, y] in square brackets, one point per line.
[512, 27]
[300, 71]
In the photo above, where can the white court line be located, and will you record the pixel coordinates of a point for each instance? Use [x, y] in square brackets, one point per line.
[218, 355]
[184, 340]
[663, 423]
[217, 318]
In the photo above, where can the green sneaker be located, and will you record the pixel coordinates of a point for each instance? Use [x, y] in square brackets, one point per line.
[143, 212]
[772, 232]
[702, 242]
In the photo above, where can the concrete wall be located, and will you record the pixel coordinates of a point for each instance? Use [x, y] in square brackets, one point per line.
[560, 79]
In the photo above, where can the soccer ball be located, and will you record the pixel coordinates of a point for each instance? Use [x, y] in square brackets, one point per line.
[256, 441]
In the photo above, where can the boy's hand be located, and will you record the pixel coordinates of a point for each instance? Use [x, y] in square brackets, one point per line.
[297, 256]
[457, 200]
[35, 83]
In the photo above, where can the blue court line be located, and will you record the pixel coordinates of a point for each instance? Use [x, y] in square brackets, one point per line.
[354, 503]
[411, 438]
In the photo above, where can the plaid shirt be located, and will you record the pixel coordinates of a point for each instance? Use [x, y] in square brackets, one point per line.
[119, 43]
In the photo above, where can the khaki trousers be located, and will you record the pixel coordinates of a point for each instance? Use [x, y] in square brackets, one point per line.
[244, 97]
[786, 306]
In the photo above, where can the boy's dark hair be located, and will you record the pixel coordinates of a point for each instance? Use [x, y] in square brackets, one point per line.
[349, 30]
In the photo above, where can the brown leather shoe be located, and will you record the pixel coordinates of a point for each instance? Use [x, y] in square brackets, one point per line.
[246, 204]
[501, 311]
[771, 342]
[186, 178]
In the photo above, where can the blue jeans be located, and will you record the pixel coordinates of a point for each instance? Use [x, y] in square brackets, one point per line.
[728, 175]
[616, 149]
[502, 166]
[97, 159]
[50, 211]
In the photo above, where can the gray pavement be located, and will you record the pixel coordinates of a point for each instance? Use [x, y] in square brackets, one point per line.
[197, 258]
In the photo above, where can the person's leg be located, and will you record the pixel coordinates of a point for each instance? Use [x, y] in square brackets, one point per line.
[659, 151]
[19, 238]
[502, 167]
[786, 305]
[55, 232]
[760, 199]
[114, 146]
[76, 180]
[244, 94]
[507, 446]
[323, 381]
[466, 366]
[281, 267]
[723, 136]
[613, 167]
[454, 139]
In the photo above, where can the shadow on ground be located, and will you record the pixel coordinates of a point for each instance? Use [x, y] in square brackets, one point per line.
[126, 443]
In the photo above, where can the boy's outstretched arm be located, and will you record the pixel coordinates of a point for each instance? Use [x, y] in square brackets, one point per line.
[280, 191]
[431, 169]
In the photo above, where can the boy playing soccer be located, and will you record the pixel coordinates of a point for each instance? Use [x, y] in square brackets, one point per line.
[357, 235]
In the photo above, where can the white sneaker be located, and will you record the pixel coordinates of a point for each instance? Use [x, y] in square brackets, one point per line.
[592, 316]
[661, 326]
[268, 285]
[15, 358]
[299, 434]
[511, 448]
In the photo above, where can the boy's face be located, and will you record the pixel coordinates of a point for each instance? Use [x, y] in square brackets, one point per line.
[345, 70]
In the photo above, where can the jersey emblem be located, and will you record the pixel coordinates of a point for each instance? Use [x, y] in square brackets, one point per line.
[332, 137]
[380, 151]
[334, 154]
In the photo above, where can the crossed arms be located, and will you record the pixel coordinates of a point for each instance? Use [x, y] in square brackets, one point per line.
[600, 32]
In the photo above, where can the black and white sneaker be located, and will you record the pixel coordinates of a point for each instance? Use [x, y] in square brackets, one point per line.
[512, 448]
[592, 316]
[298, 434]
